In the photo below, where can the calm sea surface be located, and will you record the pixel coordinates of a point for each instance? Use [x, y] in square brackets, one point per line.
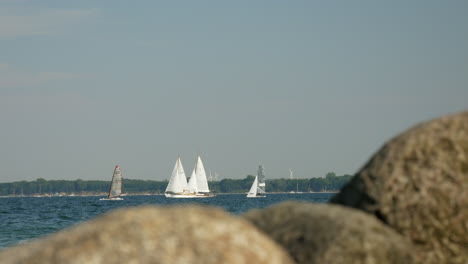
[26, 218]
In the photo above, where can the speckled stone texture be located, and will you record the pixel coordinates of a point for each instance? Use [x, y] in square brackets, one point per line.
[417, 183]
[332, 234]
[189, 234]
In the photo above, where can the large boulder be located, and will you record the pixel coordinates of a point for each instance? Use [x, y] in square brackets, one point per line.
[417, 183]
[187, 234]
[332, 234]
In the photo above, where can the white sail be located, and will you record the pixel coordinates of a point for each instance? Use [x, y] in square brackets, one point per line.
[192, 184]
[178, 181]
[261, 180]
[182, 177]
[254, 188]
[202, 182]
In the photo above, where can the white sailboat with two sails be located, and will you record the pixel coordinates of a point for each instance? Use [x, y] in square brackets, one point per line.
[196, 187]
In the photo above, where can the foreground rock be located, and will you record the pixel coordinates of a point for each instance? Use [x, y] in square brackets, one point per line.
[154, 235]
[418, 184]
[319, 233]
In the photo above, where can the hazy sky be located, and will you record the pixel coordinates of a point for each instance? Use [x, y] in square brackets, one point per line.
[315, 86]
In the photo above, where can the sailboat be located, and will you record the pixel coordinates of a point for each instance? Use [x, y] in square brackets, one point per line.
[198, 183]
[177, 186]
[115, 189]
[258, 186]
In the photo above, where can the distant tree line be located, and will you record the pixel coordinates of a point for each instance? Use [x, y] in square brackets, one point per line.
[330, 182]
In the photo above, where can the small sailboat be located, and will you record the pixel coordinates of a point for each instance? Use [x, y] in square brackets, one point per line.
[297, 189]
[258, 186]
[115, 189]
[177, 186]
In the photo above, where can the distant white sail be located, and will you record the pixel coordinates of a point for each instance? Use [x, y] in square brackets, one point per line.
[178, 181]
[261, 180]
[192, 184]
[253, 190]
[202, 182]
[182, 177]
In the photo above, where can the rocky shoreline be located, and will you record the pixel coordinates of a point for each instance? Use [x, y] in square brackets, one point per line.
[408, 204]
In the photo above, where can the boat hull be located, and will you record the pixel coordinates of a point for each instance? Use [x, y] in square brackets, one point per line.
[111, 199]
[205, 195]
[256, 196]
[179, 195]
[191, 195]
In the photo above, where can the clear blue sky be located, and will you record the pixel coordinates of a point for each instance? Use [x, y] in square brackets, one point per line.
[315, 86]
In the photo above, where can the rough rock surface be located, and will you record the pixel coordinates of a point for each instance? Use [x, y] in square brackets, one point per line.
[417, 183]
[189, 234]
[320, 233]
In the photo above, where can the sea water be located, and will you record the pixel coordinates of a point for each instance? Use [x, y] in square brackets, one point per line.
[25, 218]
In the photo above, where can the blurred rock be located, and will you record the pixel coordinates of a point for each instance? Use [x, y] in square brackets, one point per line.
[187, 234]
[417, 183]
[332, 234]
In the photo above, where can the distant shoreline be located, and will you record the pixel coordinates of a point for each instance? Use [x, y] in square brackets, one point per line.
[140, 194]
[42, 187]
